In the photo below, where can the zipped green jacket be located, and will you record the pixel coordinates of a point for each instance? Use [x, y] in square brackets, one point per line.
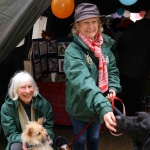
[10, 118]
[83, 97]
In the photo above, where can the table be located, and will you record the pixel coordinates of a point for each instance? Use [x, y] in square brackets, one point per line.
[54, 92]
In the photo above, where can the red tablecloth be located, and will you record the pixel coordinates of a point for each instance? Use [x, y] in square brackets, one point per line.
[54, 92]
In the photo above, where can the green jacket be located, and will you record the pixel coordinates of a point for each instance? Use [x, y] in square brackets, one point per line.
[10, 118]
[83, 98]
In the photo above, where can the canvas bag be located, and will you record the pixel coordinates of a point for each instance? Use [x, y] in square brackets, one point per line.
[28, 63]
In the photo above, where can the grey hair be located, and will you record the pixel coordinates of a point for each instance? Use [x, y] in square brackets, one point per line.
[74, 30]
[18, 79]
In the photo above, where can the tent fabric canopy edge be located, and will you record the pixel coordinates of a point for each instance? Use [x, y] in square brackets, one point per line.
[23, 24]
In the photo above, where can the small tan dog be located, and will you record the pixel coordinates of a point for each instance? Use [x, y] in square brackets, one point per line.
[35, 136]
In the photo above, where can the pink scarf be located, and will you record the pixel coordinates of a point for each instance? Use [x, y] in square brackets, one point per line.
[95, 46]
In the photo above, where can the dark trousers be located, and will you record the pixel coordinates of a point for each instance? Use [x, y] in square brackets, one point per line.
[16, 146]
[131, 94]
[91, 134]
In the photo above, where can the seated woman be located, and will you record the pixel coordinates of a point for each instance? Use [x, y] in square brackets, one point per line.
[23, 103]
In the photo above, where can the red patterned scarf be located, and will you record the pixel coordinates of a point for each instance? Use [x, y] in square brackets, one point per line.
[95, 46]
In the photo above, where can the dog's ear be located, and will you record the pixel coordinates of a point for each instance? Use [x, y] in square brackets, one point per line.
[41, 120]
[30, 131]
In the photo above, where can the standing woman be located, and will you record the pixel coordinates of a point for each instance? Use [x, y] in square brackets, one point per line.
[23, 103]
[91, 73]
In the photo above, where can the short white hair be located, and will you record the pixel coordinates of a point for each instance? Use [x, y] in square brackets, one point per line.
[18, 79]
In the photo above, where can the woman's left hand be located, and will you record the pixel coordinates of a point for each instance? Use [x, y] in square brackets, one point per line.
[111, 93]
[49, 141]
[24, 146]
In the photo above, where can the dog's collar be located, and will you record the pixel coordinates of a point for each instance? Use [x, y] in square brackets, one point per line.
[29, 147]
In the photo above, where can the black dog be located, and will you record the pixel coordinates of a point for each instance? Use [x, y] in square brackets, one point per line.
[137, 127]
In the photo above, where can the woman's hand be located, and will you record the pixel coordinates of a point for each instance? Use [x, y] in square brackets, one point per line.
[111, 93]
[24, 146]
[110, 121]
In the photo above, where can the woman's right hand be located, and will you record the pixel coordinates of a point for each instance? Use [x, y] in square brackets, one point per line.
[110, 121]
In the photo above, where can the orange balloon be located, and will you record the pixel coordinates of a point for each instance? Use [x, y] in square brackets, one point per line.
[62, 8]
[142, 13]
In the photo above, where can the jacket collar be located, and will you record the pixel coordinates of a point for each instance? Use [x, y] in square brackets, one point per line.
[107, 41]
[36, 101]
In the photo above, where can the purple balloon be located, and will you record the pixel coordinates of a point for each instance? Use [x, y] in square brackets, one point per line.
[116, 15]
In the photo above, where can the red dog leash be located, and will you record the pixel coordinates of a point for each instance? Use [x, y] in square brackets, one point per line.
[112, 101]
[113, 108]
[118, 99]
[102, 129]
[78, 135]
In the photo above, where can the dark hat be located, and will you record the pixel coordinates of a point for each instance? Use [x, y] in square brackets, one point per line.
[60, 140]
[85, 11]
